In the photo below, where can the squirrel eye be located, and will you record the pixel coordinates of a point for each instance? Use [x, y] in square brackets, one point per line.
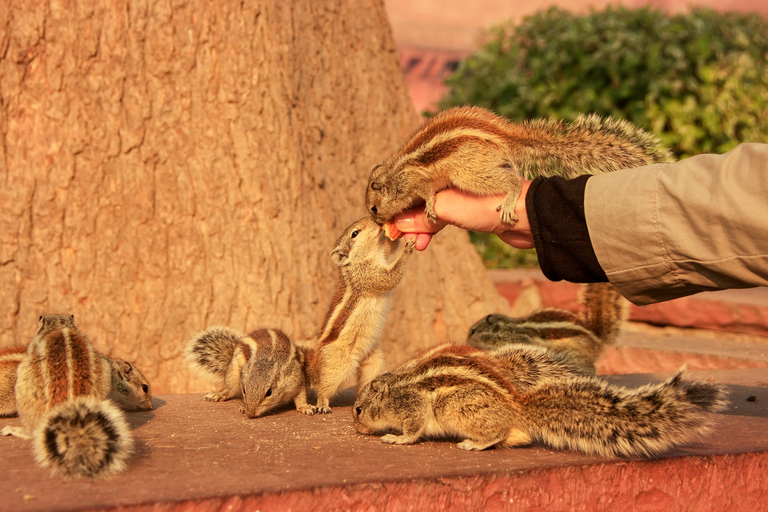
[145, 388]
[355, 233]
[359, 410]
[269, 392]
[374, 209]
[376, 186]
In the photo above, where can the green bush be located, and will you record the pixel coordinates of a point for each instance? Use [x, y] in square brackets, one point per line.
[697, 80]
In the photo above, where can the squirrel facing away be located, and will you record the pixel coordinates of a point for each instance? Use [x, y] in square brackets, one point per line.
[580, 336]
[458, 390]
[63, 395]
[479, 152]
[369, 269]
[264, 368]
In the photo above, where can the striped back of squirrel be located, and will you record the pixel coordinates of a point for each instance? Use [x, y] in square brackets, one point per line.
[543, 147]
[443, 372]
[67, 366]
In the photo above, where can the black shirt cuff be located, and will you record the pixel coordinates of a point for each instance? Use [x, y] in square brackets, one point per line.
[556, 213]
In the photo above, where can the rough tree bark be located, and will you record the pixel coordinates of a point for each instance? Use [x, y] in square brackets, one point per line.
[171, 165]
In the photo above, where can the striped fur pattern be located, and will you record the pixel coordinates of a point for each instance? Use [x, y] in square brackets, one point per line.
[580, 336]
[348, 340]
[129, 388]
[10, 358]
[476, 151]
[61, 394]
[521, 394]
[264, 368]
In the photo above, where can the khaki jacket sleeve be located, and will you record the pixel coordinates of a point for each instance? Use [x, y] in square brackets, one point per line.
[668, 230]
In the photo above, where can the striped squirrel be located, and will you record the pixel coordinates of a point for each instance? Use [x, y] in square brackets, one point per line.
[458, 390]
[63, 391]
[476, 151]
[130, 389]
[10, 357]
[349, 336]
[264, 368]
[581, 336]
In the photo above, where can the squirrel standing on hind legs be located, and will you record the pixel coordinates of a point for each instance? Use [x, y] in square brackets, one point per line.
[348, 340]
[476, 151]
[64, 395]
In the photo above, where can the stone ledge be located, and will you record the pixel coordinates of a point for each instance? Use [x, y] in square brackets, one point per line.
[196, 455]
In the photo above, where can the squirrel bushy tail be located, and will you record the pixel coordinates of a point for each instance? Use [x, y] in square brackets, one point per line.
[603, 311]
[211, 351]
[83, 437]
[592, 416]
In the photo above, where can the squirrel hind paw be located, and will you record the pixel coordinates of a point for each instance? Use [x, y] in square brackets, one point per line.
[469, 444]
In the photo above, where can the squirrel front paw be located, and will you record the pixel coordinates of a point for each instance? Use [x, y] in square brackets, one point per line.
[309, 410]
[395, 439]
[320, 410]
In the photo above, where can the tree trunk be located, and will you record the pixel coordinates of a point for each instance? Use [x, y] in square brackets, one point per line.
[167, 166]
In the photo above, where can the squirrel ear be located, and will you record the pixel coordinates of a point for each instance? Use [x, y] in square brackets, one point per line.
[380, 384]
[339, 259]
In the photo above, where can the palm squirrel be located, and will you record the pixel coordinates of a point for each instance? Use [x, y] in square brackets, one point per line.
[264, 368]
[476, 151]
[130, 389]
[580, 336]
[64, 392]
[10, 358]
[458, 390]
[348, 339]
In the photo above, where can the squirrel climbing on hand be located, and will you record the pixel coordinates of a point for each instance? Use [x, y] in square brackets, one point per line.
[264, 368]
[477, 151]
[64, 396]
[581, 336]
[461, 391]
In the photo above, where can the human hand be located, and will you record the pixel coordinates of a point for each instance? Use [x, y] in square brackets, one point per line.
[470, 212]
